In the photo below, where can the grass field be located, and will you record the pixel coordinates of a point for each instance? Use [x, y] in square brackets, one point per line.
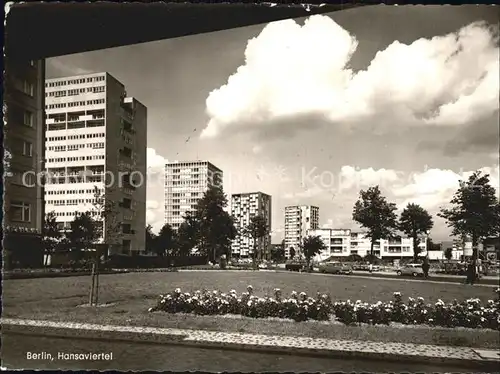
[133, 293]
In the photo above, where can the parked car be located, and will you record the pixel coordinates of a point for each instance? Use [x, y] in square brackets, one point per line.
[414, 270]
[335, 268]
[366, 267]
[295, 266]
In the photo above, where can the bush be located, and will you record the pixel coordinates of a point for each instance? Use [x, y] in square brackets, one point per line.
[299, 307]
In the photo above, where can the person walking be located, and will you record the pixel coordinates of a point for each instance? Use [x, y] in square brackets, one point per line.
[426, 267]
[470, 273]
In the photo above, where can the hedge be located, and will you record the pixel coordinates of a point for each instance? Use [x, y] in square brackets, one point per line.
[300, 307]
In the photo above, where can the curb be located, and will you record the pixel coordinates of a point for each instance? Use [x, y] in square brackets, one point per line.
[463, 357]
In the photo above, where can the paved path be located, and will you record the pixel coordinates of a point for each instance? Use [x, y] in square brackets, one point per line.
[459, 356]
[127, 356]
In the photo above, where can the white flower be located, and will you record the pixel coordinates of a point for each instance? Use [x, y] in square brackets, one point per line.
[397, 293]
[150, 309]
[177, 290]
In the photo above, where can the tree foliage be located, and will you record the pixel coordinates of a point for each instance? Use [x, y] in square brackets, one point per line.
[291, 252]
[474, 211]
[166, 241]
[150, 239]
[107, 213]
[216, 227]
[414, 222]
[278, 252]
[312, 246]
[448, 253]
[375, 214]
[51, 235]
[84, 232]
[256, 229]
[187, 234]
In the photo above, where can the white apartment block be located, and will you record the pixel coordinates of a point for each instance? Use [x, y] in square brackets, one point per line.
[96, 137]
[244, 206]
[185, 184]
[299, 219]
[341, 243]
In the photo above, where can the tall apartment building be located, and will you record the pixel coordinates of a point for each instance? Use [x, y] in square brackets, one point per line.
[298, 220]
[185, 184]
[244, 206]
[23, 133]
[96, 137]
[341, 243]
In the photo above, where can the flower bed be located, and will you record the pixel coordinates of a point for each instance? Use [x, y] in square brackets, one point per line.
[299, 307]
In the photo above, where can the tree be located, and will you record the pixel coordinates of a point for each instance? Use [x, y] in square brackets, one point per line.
[374, 213]
[106, 212]
[83, 233]
[448, 253]
[354, 258]
[151, 239]
[256, 229]
[372, 259]
[51, 235]
[109, 229]
[312, 246]
[291, 252]
[414, 222]
[216, 227]
[474, 211]
[165, 241]
[187, 234]
[278, 252]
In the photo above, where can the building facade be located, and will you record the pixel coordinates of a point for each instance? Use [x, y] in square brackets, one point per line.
[341, 243]
[244, 206]
[23, 140]
[299, 219]
[96, 138]
[185, 184]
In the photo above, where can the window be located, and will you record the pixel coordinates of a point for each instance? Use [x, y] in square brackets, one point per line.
[20, 212]
[27, 149]
[28, 118]
[28, 88]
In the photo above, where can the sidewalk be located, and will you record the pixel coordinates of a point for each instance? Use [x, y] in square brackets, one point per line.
[459, 356]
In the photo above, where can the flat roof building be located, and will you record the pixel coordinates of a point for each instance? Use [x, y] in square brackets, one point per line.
[96, 138]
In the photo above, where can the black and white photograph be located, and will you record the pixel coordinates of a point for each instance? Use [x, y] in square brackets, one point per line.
[251, 187]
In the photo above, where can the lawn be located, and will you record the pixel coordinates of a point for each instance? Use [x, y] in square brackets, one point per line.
[133, 293]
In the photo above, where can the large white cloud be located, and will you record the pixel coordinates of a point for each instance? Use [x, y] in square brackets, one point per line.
[156, 162]
[291, 70]
[155, 189]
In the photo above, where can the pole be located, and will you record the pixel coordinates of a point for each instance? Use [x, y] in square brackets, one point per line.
[91, 298]
[97, 281]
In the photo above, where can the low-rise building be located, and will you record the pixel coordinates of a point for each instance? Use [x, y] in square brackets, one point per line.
[341, 243]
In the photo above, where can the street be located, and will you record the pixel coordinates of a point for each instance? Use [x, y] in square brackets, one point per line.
[136, 356]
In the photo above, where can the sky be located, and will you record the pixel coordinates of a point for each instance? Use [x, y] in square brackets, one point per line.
[313, 110]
